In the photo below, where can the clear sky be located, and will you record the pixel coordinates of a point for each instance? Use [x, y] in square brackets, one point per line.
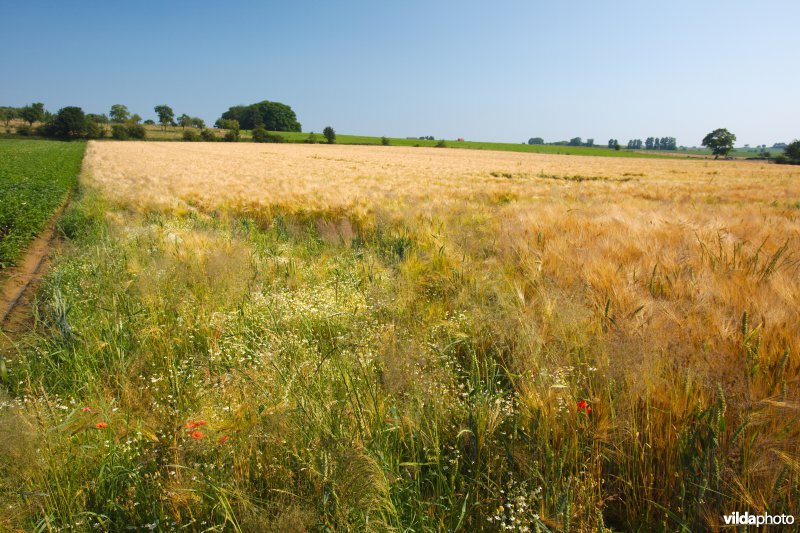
[492, 71]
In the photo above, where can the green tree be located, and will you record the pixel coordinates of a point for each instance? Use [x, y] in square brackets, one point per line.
[119, 114]
[198, 123]
[535, 140]
[7, 114]
[232, 135]
[97, 119]
[32, 113]
[720, 142]
[69, 123]
[184, 120]
[329, 134]
[165, 115]
[274, 116]
[792, 152]
[575, 141]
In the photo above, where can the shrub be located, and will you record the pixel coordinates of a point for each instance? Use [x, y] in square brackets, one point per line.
[385, 141]
[119, 132]
[190, 135]
[208, 135]
[312, 138]
[24, 130]
[136, 131]
[441, 144]
[123, 132]
[95, 130]
[231, 136]
[792, 152]
[329, 134]
[261, 135]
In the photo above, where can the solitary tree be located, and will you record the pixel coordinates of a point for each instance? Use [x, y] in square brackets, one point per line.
[535, 140]
[119, 113]
[329, 134]
[32, 113]
[198, 122]
[720, 142]
[184, 120]
[165, 115]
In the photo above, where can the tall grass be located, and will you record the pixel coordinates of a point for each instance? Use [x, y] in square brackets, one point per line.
[473, 366]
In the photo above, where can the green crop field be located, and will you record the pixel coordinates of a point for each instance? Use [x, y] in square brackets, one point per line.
[35, 177]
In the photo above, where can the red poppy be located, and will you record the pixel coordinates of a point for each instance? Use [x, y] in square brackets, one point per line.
[86, 409]
[588, 409]
[582, 405]
[101, 425]
[196, 435]
[195, 424]
[223, 439]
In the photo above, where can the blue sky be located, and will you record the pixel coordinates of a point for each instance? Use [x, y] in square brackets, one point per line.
[500, 71]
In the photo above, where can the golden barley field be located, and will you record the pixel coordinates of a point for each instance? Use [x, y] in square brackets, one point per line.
[678, 250]
[322, 337]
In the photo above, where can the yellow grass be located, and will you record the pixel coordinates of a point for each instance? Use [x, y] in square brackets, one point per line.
[678, 250]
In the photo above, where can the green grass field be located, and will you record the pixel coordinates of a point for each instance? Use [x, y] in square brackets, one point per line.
[35, 177]
[155, 133]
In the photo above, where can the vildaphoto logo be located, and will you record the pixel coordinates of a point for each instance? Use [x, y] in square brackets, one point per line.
[747, 519]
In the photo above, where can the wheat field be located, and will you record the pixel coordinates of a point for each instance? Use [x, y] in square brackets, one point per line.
[301, 337]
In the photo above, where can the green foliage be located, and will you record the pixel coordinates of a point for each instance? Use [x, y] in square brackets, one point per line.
[261, 135]
[575, 141]
[191, 135]
[95, 130]
[119, 114]
[385, 141]
[329, 134]
[441, 144]
[535, 140]
[69, 123]
[119, 132]
[792, 152]
[33, 113]
[165, 115]
[184, 120]
[34, 179]
[312, 138]
[7, 114]
[129, 130]
[273, 116]
[207, 135]
[720, 142]
[24, 130]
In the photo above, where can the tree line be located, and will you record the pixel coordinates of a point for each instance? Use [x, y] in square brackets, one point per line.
[72, 122]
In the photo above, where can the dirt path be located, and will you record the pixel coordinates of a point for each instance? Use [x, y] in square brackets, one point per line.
[17, 284]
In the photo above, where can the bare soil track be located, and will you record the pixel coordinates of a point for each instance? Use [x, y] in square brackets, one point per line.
[18, 284]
